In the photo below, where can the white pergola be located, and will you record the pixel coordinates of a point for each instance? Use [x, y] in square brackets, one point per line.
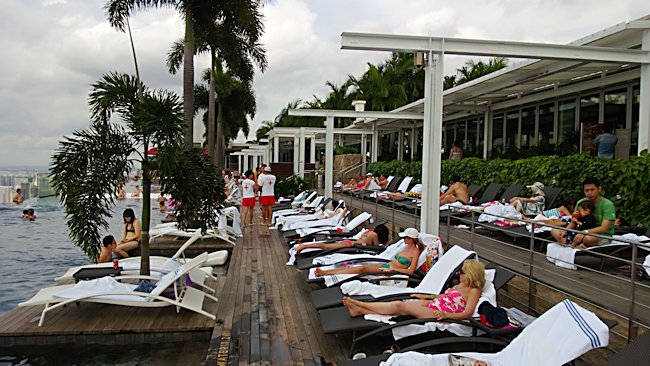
[300, 135]
[436, 47]
[258, 153]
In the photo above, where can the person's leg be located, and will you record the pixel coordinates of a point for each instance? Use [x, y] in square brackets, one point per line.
[269, 215]
[558, 235]
[349, 270]
[451, 198]
[324, 246]
[416, 308]
[244, 214]
[584, 241]
[123, 248]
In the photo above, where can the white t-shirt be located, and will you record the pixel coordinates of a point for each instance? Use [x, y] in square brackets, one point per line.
[267, 182]
[248, 188]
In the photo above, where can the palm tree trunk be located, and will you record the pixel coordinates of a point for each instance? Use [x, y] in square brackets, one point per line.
[188, 78]
[211, 119]
[146, 214]
[220, 149]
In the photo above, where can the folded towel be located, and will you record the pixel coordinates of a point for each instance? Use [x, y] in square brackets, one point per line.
[561, 255]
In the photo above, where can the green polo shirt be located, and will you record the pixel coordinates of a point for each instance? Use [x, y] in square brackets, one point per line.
[604, 210]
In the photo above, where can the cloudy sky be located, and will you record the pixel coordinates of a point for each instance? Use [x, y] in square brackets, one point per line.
[52, 50]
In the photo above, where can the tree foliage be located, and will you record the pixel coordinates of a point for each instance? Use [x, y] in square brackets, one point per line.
[88, 168]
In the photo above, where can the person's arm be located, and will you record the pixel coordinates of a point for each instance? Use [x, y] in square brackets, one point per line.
[603, 228]
[470, 306]
[137, 225]
[609, 216]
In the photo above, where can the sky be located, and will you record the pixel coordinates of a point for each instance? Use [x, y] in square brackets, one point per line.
[53, 50]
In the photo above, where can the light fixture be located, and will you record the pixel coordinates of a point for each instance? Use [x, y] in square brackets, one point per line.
[419, 59]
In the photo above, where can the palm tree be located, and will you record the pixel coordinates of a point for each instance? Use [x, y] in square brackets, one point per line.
[87, 168]
[474, 70]
[235, 104]
[230, 32]
[263, 130]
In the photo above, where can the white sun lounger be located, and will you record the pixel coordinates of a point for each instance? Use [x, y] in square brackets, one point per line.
[350, 226]
[560, 335]
[159, 265]
[107, 290]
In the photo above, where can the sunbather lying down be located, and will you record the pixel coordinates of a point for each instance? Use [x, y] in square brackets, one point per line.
[374, 237]
[405, 262]
[458, 302]
[399, 196]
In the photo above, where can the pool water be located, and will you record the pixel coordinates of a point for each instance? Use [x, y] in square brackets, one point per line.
[33, 253]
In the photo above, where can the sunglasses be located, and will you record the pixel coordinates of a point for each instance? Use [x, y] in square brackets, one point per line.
[462, 272]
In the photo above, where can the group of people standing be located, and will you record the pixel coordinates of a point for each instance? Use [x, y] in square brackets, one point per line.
[258, 185]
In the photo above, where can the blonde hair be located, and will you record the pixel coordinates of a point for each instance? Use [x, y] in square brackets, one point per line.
[474, 273]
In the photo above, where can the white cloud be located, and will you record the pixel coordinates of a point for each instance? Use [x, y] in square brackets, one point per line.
[57, 48]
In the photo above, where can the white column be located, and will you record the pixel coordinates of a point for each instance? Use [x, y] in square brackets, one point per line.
[239, 167]
[296, 153]
[301, 154]
[245, 158]
[312, 156]
[329, 156]
[400, 144]
[364, 150]
[375, 143]
[413, 141]
[256, 161]
[486, 130]
[276, 149]
[432, 143]
[644, 102]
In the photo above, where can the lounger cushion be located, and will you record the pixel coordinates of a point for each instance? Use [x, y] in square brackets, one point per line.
[217, 258]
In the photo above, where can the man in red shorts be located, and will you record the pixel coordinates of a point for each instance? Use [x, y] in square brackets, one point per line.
[248, 198]
[266, 182]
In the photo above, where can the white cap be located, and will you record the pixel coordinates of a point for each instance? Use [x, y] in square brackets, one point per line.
[537, 186]
[267, 169]
[412, 233]
[369, 174]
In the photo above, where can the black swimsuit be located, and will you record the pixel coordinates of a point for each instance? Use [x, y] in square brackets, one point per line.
[131, 230]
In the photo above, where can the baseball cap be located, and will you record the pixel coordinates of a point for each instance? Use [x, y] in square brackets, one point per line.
[369, 174]
[410, 232]
[267, 169]
[537, 185]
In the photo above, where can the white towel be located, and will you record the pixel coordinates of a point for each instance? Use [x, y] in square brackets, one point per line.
[447, 206]
[561, 255]
[506, 211]
[100, 285]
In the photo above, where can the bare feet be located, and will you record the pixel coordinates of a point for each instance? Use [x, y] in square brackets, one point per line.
[319, 272]
[353, 308]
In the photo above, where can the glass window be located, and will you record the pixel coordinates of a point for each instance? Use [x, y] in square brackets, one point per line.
[589, 112]
[479, 136]
[566, 121]
[634, 141]
[546, 121]
[449, 136]
[470, 142]
[497, 133]
[589, 109]
[460, 133]
[512, 129]
[528, 128]
[615, 109]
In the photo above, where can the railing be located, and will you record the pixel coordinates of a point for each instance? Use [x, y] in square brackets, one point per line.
[623, 302]
[629, 286]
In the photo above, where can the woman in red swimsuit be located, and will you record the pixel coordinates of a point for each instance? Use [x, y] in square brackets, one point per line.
[458, 302]
[373, 237]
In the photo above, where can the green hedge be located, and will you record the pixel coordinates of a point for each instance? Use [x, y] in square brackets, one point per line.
[625, 182]
[289, 186]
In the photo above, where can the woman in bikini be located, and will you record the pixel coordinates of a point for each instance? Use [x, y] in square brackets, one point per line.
[405, 262]
[132, 234]
[373, 237]
[458, 302]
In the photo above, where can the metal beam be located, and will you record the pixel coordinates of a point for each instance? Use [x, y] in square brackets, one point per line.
[490, 48]
[644, 96]
[353, 114]
[329, 156]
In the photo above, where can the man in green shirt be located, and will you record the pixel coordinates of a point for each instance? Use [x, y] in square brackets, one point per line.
[604, 213]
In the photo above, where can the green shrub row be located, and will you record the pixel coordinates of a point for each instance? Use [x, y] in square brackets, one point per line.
[625, 182]
[289, 186]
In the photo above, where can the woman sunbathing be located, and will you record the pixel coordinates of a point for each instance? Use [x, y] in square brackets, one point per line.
[458, 302]
[405, 262]
[374, 237]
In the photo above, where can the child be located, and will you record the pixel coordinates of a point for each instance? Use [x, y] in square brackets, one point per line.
[582, 220]
[109, 245]
[25, 214]
[31, 215]
[248, 198]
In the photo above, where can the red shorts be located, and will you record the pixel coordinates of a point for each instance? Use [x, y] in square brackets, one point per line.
[248, 202]
[267, 200]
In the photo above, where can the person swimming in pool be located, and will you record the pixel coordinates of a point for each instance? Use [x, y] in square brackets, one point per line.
[405, 262]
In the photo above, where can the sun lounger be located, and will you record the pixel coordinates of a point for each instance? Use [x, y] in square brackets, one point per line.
[107, 290]
[541, 343]
[337, 320]
[159, 265]
[433, 282]
[351, 227]
[564, 256]
[488, 195]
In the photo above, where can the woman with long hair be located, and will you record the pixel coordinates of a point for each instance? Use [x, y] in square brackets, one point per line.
[132, 234]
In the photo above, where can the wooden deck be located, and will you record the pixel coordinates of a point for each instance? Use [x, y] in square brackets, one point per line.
[265, 315]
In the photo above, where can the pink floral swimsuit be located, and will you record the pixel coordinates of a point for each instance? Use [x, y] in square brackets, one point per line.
[451, 301]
